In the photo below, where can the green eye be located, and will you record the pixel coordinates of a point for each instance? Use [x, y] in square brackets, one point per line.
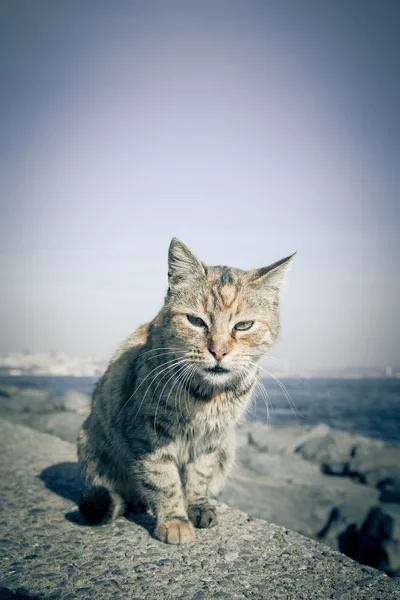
[196, 321]
[243, 325]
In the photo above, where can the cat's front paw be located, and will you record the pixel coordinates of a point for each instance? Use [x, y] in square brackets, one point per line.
[203, 515]
[175, 531]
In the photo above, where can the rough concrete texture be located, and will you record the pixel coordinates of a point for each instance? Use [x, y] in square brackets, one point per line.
[47, 553]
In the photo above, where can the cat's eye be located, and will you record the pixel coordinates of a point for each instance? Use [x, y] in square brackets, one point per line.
[243, 325]
[196, 321]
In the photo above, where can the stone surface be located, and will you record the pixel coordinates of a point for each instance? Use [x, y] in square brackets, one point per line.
[392, 549]
[377, 464]
[60, 423]
[393, 511]
[370, 461]
[47, 553]
[63, 424]
[76, 402]
[322, 483]
[283, 474]
[272, 439]
[27, 401]
[8, 390]
[291, 491]
[39, 409]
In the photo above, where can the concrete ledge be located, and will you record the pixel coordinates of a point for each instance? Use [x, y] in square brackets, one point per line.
[47, 553]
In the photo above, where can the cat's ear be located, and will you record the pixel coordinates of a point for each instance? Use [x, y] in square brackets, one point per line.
[182, 263]
[270, 277]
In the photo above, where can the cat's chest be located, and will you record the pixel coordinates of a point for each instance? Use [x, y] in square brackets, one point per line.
[188, 447]
[196, 438]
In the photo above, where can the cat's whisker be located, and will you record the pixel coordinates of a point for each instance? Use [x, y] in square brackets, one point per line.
[178, 382]
[267, 401]
[162, 354]
[182, 361]
[284, 390]
[251, 412]
[178, 392]
[263, 392]
[248, 409]
[171, 366]
[152, 371]
[186, 397]
[161, 348]
[181, 368]
[181, 377]
[182, 387]
[166, 372]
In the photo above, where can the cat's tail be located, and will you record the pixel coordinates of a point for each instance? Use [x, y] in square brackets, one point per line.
[99, 505]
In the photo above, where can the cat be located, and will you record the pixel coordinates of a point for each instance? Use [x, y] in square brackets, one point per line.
[161, 432]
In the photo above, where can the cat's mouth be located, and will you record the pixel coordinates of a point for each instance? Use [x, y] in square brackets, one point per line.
[217, 370]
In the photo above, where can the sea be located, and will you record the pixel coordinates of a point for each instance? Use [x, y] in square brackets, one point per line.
[369, 407]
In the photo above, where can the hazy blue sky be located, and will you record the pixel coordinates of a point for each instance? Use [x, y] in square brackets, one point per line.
[247, 129]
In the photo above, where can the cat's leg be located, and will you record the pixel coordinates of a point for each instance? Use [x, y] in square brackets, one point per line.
[204, 478]
[158, 477]
[198, 476]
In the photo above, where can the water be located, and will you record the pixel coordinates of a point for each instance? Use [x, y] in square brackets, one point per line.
[369, 407]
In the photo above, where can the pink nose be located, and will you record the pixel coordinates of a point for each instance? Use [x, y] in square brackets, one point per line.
[218, 354]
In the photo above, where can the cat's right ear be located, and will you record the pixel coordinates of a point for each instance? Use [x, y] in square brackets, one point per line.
[182, 264]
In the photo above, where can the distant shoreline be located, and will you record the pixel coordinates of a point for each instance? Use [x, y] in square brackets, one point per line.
[319, 377]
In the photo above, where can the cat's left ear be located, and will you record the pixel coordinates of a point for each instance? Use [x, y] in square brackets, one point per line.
[183, 266]
[271, 276]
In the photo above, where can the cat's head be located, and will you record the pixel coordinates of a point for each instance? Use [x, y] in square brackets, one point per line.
[222, 319]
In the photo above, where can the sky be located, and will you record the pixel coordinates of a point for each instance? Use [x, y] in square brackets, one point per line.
[247, 129]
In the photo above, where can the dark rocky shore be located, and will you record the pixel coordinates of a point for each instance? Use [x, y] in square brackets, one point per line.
[340, 489]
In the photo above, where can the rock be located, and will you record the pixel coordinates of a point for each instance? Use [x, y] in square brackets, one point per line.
[270, 439]
[391, 546]
[366, 546]
[390, 489]
[289, 468]
[282, 477]
[327, 447]
[45, 552]
[75, 402]
[8, 390]
[369, 461]
[393, 511]
[38, 409]
[28, 400]
[65, 425]
[377, 541]
[62, 424]
[292, 492]
[392, 550]
[379, 464]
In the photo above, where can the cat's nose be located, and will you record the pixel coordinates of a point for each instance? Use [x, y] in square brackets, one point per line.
[218, 354]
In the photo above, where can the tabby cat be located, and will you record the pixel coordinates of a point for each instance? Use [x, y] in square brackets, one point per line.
[161, 432]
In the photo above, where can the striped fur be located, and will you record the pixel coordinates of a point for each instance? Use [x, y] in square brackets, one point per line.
[160, 435]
